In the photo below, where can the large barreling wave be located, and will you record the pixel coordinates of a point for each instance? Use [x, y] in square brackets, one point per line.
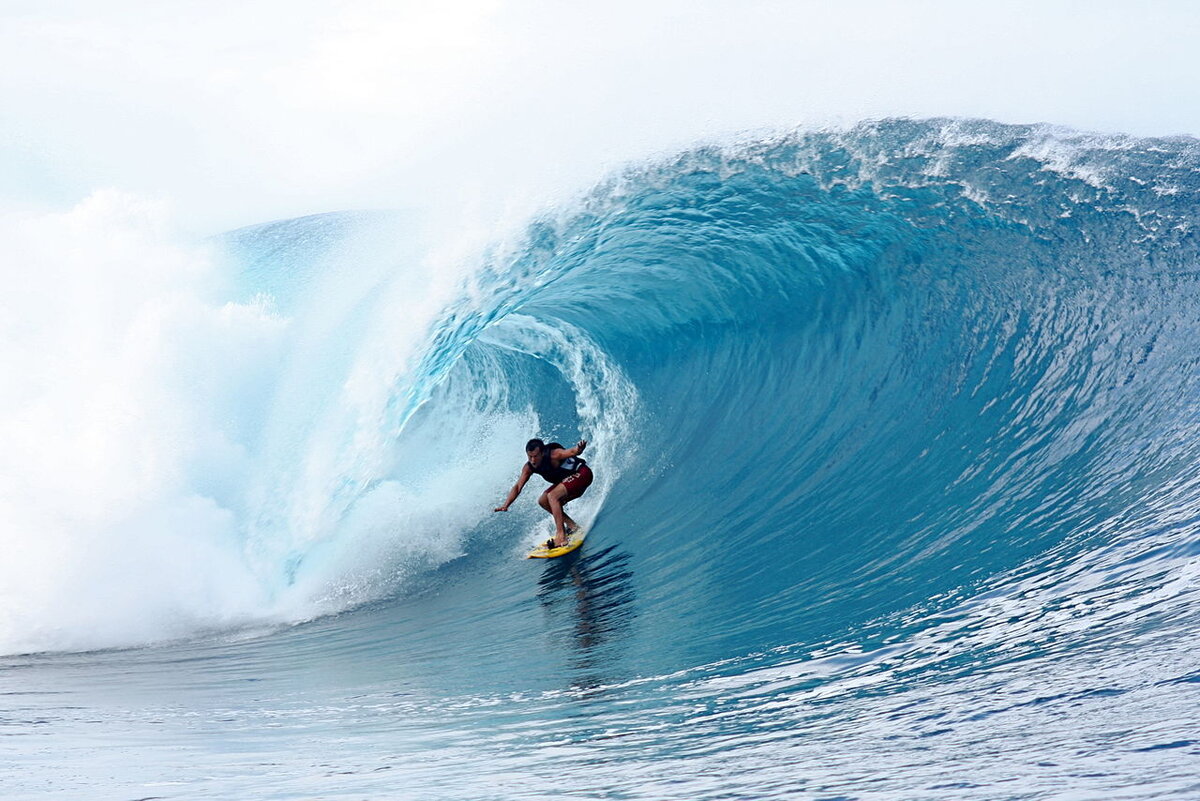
[881, 418]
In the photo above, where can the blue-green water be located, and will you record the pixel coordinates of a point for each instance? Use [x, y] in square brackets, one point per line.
[897, 497]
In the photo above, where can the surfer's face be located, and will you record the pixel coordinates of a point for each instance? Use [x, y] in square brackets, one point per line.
[534, 456]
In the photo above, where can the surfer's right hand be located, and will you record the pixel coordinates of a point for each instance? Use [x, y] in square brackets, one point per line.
[500, 509]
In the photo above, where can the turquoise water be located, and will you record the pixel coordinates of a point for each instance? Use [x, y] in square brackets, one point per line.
[896, 497]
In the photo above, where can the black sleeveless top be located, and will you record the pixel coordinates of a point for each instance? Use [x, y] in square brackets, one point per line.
[546, 469]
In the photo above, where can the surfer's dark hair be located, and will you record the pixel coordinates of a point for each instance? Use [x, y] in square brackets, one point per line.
[534, 445]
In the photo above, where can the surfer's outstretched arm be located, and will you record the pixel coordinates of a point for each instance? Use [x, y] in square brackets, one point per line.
[526, 472]
[566, 453]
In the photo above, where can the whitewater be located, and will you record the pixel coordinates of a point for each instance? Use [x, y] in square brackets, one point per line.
[894, 429]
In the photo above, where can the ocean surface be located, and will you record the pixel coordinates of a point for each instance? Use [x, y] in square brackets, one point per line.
[895, 431]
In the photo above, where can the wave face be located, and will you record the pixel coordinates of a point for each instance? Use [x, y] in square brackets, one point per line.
[897, 489]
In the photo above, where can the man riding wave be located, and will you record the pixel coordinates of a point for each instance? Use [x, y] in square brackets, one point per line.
[568, 475]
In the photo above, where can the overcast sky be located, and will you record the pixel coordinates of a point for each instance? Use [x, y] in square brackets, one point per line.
[240, 112]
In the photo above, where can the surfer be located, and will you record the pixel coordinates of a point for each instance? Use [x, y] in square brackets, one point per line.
[568, 475]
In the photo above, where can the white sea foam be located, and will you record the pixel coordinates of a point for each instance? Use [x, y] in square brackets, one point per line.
[122, 365]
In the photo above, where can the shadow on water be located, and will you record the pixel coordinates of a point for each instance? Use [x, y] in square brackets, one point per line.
[596, 590]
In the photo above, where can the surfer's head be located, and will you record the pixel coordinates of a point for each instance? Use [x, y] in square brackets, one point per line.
[533, 449]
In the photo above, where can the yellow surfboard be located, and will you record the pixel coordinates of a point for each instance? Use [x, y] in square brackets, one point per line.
[574, 540]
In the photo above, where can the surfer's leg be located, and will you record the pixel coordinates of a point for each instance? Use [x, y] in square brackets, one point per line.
[574, 486]
[554, 497]
[544, 502]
